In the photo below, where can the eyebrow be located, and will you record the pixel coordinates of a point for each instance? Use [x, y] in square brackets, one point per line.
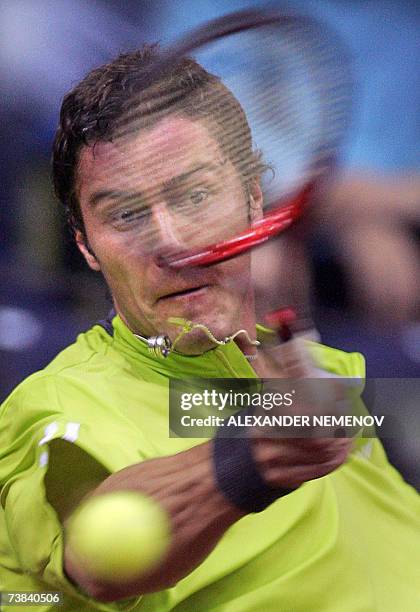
[113, 194]
[116, 194]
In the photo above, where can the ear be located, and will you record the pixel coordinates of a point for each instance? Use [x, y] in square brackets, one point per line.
[255, 200]
[86, 251]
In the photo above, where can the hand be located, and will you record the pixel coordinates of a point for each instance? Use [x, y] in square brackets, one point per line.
[289, 462]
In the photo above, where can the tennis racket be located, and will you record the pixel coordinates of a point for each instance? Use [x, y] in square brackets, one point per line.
[291, 77]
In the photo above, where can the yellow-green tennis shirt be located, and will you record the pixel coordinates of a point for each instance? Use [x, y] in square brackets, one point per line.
[348, 542]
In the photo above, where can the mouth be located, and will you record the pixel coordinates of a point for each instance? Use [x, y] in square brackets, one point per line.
[191, 292]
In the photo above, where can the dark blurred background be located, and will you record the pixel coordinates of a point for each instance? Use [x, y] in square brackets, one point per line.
[364, 260]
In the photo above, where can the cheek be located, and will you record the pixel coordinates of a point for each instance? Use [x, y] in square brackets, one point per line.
[123, 268]
[236, 274]
[112, 250]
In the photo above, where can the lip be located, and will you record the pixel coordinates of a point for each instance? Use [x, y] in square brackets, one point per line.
[185, 294]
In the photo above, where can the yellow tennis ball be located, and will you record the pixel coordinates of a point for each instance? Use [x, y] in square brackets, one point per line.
[118, 536]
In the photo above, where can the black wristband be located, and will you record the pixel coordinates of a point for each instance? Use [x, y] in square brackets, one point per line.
[237, 476]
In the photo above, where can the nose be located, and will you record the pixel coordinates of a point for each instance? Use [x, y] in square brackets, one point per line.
[167, 241]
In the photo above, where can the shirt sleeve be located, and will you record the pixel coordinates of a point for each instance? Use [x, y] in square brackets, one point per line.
[46, 467]
[340, 363]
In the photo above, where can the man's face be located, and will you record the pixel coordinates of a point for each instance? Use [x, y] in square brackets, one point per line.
[158, 193]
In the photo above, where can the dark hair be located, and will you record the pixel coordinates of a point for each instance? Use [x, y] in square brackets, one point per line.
[98, 107]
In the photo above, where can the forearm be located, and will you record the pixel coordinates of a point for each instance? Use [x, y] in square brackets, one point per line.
[184, 485]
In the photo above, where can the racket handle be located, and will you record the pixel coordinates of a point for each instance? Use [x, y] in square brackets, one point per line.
[294, 356]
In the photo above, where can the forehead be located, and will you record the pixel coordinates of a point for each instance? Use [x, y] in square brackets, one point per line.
[147, 159]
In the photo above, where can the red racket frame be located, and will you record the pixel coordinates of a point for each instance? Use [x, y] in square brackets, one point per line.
[274, 222]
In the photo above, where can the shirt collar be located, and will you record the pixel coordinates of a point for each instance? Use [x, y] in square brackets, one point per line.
[226, 361]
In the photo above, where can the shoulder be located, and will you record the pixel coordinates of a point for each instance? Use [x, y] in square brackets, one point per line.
[91, 383]
[76, 398]
[336, 361]
[94, 343]
[86, 354]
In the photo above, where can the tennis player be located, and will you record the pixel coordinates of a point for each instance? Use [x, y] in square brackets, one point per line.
[270, 524]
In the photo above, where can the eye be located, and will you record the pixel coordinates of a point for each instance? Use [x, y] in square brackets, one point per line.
[198, 196]
[129, 216]
[126, 215]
